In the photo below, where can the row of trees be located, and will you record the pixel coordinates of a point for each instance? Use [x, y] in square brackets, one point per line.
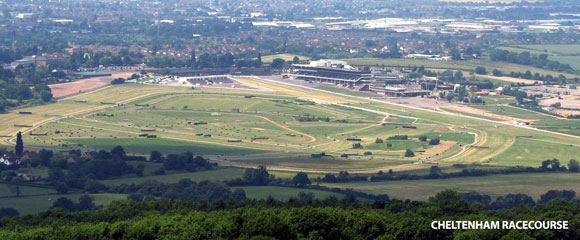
[552, 165]
[525, 58]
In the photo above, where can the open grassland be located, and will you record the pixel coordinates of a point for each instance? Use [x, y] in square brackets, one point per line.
[34, 204]
[284, 193]
[513, 112]
[563, 53]
[470, 114]
[467, 65]
[536, 150]
[533, 184]
[569, 126]
[77, 105]
[554, 48]
[346, 91]
[283, 127]
[10, 190]
[573, 61]
[167, 146]
[498, 99]
[217, 175]
[283, 56]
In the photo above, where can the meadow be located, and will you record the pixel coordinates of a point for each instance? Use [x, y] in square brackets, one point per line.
[532, 184]
[563, 53]
[284, 193]
[515, 112]
[34, 204]
[466, 65]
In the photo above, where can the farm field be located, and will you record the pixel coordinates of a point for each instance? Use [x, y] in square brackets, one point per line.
[218, 175]
[554, 48]
[284, 193]
[532, 184]
[466, 65]
[564, 53]
[9, 191]
[34, 204]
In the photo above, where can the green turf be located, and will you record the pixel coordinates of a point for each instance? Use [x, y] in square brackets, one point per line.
[146, 145]
[34, 204]
[561, 125]
[459, 137]
[284, 193]
[470, 114]
[10, 190]
[220, 174]
[554, 48]
[533, 184]
[535, 150]
[398, 145]
[513, 112]
[284, 56]
[346, 91]
[489, 100]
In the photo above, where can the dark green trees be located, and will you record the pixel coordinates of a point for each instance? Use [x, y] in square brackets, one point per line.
[19, 148]
[409, 153]
[301, 179]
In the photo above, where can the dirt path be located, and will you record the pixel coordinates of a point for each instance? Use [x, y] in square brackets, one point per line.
[312, 138]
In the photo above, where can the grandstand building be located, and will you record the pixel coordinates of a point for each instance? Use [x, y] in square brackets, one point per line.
[331, 71]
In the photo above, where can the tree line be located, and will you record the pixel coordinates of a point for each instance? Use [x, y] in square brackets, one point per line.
[525, 58]
[292, 219]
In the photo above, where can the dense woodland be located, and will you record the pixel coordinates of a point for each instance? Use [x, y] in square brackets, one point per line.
[306, 218]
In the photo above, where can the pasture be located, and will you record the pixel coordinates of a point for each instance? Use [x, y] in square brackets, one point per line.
[284, 193]
[466, 65]
[532, 184]
[563, 53]
[34, 204]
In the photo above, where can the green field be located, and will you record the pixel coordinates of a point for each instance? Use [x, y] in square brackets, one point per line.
[554, 48]
[397, 145]
[282, 128]
[533, 184]
[174, 177]
[34, 204]
[513, 112]
[466, 65]
[10, 191]
[571, 126]
[285, 56]
[284, 193]
[471, 114]
[564, 53]
[346, 91]
[489, 100]
[537, 150]
[143, 146]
